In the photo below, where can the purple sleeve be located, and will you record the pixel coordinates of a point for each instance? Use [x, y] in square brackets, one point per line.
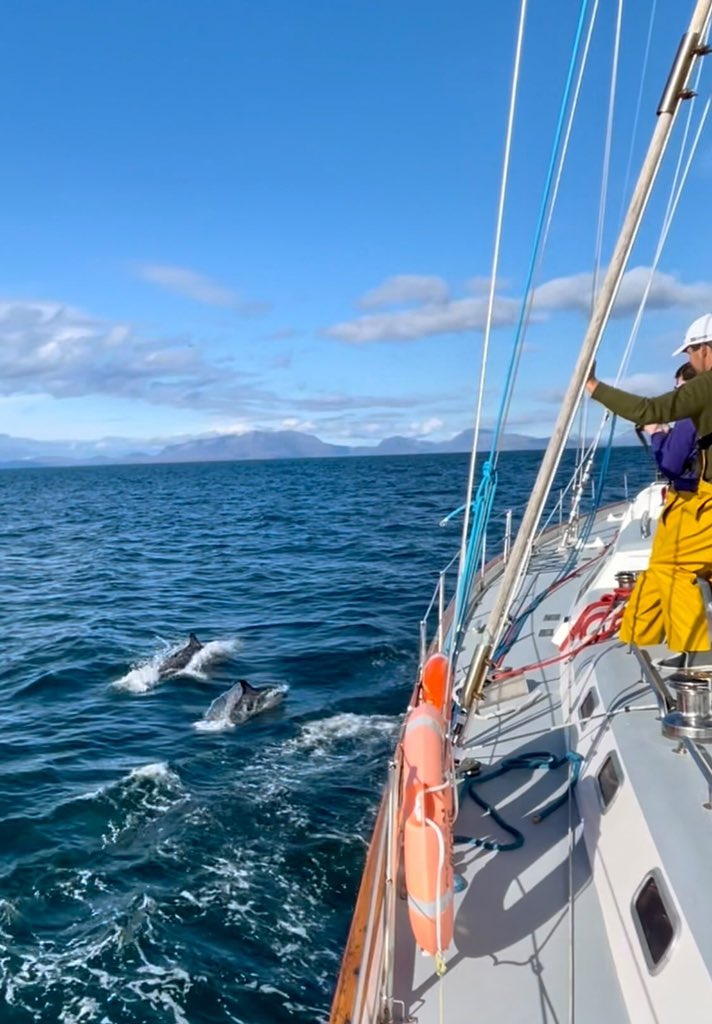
[673, 450]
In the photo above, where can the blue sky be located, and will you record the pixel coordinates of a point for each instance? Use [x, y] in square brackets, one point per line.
[233, 215]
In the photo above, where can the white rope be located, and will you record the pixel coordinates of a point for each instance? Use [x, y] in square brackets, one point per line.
[441, 869]
[569, 126]
[598, 247]
[529, 299]
[606, 169]
[493, 280]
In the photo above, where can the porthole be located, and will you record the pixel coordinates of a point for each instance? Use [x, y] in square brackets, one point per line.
[655, 921]
[588, 705]
[609, 779]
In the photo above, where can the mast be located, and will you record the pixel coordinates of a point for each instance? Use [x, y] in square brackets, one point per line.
[676, 90]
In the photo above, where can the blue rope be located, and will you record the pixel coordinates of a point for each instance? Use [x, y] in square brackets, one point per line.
[482, 511]
[568, 566]
[509, 381]
[488, 484]
[526, 762]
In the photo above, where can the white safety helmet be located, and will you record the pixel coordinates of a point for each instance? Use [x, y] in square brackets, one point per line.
[700, 330]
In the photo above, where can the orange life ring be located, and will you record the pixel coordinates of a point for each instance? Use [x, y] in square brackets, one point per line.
[427, 830]
[435, 680]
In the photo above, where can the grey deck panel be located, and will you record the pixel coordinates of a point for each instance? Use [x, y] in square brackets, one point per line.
[514, 921]
[671, 791]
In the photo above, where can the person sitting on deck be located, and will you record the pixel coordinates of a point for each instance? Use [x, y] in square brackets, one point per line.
[665, 603]
[675, 451]
[675, 448]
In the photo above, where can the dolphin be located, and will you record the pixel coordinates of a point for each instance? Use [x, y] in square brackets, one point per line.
[242, 701]
[178, 661]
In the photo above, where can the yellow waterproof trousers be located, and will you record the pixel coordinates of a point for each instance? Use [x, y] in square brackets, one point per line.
[665, 603]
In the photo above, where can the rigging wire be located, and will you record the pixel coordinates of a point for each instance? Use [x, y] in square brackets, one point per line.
[557, 184]
[602, 205]
[636, 119]
[676, 190]
[514, 92]
[470, 548]
[671, 209]
[535, 258]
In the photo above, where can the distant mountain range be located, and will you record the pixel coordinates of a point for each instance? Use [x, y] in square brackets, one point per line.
[17, 452]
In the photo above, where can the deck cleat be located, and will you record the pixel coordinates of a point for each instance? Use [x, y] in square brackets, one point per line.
[692, 717]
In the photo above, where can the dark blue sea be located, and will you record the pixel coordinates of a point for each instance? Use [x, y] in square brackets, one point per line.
[152, 869]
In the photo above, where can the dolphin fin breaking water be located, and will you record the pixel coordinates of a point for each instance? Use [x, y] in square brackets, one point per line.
[243, 701]
[178, 661]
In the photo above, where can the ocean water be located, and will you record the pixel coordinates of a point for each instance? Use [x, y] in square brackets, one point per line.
[155, 871]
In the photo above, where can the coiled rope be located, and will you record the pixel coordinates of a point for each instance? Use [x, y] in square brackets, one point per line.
[521, 762]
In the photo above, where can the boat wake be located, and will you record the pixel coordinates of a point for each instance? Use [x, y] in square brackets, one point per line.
[328, 737]
[52, 978]
[117, 946]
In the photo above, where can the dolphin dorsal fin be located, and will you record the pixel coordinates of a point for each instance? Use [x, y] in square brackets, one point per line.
[246, 687]
[192, 638]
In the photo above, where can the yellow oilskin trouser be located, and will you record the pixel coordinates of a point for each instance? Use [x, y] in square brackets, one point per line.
[665, 603]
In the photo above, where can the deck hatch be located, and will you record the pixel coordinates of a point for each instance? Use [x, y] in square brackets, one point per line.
[553, 617]
[610, 780]
[655, 920]
[546, 632]
[588, 704]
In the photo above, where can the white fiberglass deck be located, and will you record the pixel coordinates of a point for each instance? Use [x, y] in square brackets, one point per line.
[547, 932]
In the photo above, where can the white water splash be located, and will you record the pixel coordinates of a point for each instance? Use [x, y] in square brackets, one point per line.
[27, 977]
[156, 771]
[144, 676]
[322, 737]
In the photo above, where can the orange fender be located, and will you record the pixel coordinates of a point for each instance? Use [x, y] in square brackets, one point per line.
[427, 850]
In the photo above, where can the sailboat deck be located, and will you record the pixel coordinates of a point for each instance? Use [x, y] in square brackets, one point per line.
[537, 936]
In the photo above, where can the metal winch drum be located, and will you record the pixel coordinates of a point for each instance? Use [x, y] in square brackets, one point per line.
[692, 717]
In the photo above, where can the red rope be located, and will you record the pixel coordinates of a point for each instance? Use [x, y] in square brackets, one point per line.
[608, 609]
[550, 590]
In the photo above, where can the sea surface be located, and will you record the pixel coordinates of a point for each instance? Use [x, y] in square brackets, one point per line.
[154, 870]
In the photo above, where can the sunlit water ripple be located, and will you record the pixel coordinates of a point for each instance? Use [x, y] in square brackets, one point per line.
[154, 872]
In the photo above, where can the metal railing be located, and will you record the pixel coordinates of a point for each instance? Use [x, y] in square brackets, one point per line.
[444, 592]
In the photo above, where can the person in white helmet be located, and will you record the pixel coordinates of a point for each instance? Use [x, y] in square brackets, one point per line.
[666, 603]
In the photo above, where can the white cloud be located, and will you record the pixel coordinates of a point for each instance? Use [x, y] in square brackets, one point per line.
[573, 293]
[451, 317]
[429, 426]
[562, 294]
[647, 383]
[481, 285]
[192, 285]
[292, 423]
[48, 348]
[187, 283]
[405, 289]
[235, 427]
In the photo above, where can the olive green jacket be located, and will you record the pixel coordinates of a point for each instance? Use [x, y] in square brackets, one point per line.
[693, 401]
